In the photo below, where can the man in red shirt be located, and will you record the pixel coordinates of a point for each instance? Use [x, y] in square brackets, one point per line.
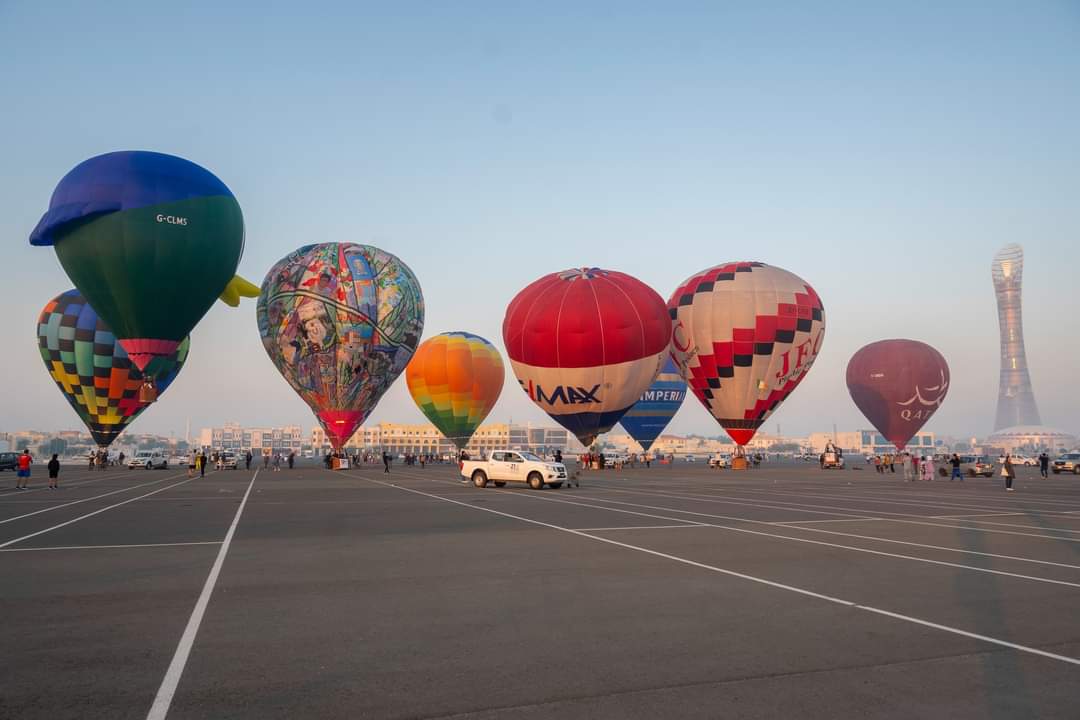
[24, 470]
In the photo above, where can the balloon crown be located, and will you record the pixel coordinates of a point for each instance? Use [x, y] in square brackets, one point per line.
[585, 273]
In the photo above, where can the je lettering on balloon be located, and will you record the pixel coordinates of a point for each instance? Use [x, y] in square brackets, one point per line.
[744, 336]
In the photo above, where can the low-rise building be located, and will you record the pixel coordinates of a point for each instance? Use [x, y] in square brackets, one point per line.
[871, 442]
[261, 441]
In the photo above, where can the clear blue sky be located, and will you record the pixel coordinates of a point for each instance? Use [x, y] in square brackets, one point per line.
[882, 152]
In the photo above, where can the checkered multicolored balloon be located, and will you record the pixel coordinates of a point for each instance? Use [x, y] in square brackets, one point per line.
[744, 335]
[93, 371]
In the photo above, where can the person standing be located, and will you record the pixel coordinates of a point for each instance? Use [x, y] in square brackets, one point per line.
[202, 464]
[23, 474]
[54, 472]
[908, 461]
[247, 460]
[955, 468]
[266, 460]
[120, 459]
[1044, 464]
[193, 462]
[292, 459]
[928, 468]
[91, 458]
[386, 461]
[1009, 473]
[277, 462]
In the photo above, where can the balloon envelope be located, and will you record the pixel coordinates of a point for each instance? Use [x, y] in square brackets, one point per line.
[898, 385]
[340, 321]
[656, 406]
[149, 239]
[455, 379]
[584, 344]
[91, 369]
[744, 335]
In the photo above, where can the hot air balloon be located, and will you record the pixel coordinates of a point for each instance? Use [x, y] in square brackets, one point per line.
[455, 379]
[656, 406]
[93, 370]
[898, 385]
[340, 321]
[744, 335]
[584, 344]
[149, 240]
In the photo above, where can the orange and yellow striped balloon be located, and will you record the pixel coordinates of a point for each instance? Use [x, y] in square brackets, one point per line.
[455, 379]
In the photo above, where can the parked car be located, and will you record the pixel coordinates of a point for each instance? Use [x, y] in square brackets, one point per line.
[1069, 462]
[1019, 460]
[9, 461]
[228, 461]
[514, 466]
[691, 458]
[720, 460]
[149, 459]
[974, 466]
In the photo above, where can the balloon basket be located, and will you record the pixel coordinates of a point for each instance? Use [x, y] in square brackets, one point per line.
[739, 463]
[339, 463]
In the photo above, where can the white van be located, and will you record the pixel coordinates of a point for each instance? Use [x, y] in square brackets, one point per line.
[149, 459]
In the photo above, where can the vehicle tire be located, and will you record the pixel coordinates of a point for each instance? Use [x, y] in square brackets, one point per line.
[971, 473]
[536, 481]
[1076, 469]
[479, 479]
[500, 483]
[555, 485]
[165, 465]
[1056, 471]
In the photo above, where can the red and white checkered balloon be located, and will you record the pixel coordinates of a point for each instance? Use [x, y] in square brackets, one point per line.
[744, 335]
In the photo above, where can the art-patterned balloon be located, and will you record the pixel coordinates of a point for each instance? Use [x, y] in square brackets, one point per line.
[584, 344]
[340, 321]
[93, 370]
[898, 385]
[656, 406]
[744, 335]
[455, 379]
[150, 240]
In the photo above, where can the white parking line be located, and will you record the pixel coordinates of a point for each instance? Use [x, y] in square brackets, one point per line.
[808, 541]
[643, 527]
[108, 547]
[160, 708]
[11, 492]
[751, 578]
[88, 515]
[95, 497]
[893, 517]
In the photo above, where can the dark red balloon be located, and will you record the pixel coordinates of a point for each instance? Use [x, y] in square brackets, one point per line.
[898, 385]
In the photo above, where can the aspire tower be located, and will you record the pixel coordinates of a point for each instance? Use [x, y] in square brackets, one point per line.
[1016, 401]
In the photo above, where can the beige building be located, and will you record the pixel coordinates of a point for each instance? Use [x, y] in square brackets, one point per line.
[870, 442]
[425, 439]
[261, 441]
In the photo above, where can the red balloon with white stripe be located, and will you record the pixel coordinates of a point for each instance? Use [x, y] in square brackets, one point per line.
[744, 335]
[584, 344]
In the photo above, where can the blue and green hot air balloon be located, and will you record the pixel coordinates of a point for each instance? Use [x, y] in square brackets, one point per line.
[150, 240]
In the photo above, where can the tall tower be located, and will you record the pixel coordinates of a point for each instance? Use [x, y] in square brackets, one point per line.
[1016, 401]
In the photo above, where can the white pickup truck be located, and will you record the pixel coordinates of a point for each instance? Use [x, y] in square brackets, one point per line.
[514, 466]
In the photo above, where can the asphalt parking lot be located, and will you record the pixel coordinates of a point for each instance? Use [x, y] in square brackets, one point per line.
[781, 592]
